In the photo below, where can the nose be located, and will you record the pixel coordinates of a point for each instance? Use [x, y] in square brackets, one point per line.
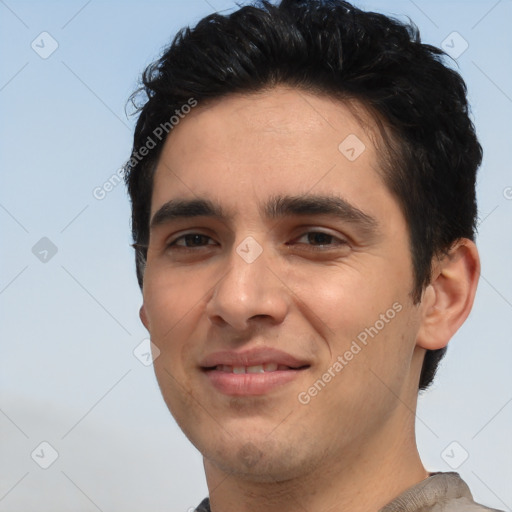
[249, 293]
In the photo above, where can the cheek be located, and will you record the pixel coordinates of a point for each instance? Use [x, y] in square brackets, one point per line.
[169, 296]
[172, 304]
[342, 300]
[364, 317]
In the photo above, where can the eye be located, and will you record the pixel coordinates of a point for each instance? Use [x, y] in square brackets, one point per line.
[320, 239]
[191, 240]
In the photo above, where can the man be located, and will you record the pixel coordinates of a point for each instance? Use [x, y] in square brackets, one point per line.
[303, 193]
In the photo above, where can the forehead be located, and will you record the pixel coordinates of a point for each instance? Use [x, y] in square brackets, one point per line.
[277, 141]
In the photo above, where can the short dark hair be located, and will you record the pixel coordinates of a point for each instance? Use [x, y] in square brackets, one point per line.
[431, 152]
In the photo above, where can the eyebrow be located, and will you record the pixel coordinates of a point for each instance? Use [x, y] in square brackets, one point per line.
[187, 208]
[277, 207]
[285, 206]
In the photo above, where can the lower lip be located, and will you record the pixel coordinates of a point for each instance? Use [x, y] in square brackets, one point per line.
[250, 384]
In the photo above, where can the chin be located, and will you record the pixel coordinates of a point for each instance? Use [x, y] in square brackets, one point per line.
[267, 460]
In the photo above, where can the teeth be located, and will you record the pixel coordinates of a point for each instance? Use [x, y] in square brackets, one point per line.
[255, 369]
[259, 368]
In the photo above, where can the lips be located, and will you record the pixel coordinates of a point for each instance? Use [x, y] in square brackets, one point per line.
[254, 357]
[251, 372]
[257, 368]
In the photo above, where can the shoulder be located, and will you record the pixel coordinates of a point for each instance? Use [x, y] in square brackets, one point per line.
[441, 492]
[455, 495]
[462, 505]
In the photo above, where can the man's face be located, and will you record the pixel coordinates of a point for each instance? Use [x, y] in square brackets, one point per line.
[285, 326]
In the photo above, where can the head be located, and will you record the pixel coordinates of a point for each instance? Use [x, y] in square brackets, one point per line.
[271, 114]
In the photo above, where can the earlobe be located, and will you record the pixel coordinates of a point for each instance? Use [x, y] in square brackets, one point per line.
[143, 317]
[448, 299]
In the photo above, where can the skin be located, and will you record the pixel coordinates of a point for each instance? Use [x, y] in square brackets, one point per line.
[352, 446]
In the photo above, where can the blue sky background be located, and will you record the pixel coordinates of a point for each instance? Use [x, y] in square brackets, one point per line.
[69, 325]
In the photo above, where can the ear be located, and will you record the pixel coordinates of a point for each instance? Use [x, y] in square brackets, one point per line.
[448, 299]
[143, 317]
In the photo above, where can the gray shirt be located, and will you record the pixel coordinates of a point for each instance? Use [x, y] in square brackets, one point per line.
[441, 492]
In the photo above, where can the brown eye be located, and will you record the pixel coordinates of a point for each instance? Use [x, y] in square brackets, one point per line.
[321, 239]
[191, 240]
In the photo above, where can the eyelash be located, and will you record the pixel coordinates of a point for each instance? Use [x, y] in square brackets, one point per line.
[321, 247]
[183, 237]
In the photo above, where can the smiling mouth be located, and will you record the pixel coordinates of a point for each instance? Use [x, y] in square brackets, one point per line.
[254, 380]
[258, 368]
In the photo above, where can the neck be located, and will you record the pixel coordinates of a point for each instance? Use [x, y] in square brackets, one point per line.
[364, 477]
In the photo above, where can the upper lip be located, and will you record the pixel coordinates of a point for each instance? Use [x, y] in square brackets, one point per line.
[253, 357]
